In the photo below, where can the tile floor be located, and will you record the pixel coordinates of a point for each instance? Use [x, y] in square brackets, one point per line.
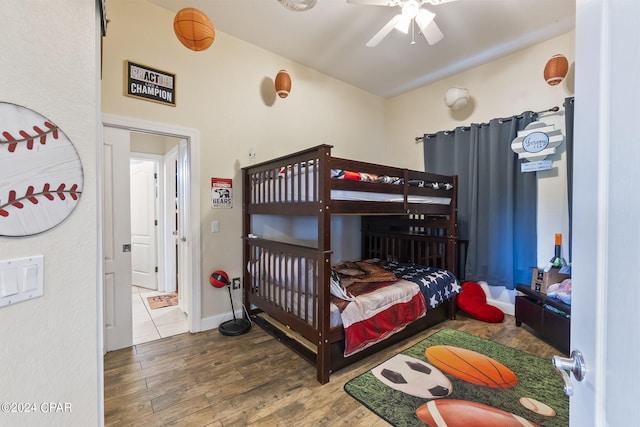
[151, 325]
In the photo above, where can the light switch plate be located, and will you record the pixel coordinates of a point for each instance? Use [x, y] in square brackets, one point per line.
[21, 279]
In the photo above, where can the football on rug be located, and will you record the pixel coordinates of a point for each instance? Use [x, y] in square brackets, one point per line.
[453, 379]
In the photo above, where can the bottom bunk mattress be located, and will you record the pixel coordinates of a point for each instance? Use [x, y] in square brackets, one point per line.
[375, 310]
[372, 300]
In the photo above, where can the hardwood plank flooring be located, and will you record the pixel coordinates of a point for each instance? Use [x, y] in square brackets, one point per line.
[207, 379]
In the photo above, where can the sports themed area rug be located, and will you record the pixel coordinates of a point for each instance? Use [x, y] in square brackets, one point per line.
[453, 379]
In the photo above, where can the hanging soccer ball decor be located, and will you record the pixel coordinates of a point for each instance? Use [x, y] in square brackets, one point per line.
[194, 29]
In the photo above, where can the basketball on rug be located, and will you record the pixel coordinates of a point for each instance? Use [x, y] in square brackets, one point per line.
[455, 379]
[165, 300]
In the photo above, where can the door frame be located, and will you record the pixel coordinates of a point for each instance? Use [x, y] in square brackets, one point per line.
[190, 198]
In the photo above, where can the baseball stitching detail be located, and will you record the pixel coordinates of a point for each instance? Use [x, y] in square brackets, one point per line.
[26, 136]
[32, 196]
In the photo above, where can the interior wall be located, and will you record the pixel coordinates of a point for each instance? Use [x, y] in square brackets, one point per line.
[152, 144]
[48, 349]
[501, 88]
[226, 92]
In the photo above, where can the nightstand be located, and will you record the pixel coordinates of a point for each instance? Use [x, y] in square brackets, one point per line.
[536, 310]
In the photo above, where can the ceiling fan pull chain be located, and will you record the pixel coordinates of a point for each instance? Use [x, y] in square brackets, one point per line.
[413, 32]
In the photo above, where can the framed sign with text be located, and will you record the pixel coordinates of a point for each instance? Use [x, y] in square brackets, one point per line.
[149, 83]
[221, 193]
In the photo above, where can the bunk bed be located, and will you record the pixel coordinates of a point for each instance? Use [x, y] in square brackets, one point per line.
[407, 216]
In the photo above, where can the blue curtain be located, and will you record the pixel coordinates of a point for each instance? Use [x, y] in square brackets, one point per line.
[496, 202]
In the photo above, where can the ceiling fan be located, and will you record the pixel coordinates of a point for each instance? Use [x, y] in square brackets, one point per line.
[412, 11]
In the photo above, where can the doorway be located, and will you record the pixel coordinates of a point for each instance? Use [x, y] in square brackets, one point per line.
[154, 197]
[179, 236]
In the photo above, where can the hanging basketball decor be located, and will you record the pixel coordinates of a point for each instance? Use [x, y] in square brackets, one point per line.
[556, 69]
[194, 29]
[283, 84]
[41, 175]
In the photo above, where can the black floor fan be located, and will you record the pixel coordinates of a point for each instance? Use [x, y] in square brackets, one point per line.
[234, 327]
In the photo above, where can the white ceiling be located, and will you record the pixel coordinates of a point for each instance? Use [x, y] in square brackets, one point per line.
[331, 36]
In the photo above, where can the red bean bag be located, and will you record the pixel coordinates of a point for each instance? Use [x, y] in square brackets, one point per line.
[473, 301]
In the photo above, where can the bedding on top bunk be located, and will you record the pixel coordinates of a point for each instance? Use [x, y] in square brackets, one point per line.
[296, 189]
[385, 179]
[382, 308]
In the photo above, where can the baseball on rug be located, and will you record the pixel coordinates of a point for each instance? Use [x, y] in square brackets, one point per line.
[453, 379]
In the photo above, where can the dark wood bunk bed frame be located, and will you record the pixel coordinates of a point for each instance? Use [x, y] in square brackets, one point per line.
[402, 231]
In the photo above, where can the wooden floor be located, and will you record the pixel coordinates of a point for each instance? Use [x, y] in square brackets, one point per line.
[207, 379]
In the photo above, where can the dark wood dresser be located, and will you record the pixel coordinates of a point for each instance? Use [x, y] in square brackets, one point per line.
[536, 310]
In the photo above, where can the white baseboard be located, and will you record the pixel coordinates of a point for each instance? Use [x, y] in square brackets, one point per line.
[214, 321]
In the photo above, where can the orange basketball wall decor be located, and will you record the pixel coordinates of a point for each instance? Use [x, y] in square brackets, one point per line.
[194, 29]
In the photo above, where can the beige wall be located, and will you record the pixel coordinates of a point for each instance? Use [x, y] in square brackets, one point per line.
[225, 92]
[501, 88]
[48, 346]
[152, 144]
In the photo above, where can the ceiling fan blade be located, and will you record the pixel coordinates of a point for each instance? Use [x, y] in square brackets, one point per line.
[384, 31]
[424, 18]
[377, 2]
[403, 24]
[437, 2]
[432, 33]
[428, 26]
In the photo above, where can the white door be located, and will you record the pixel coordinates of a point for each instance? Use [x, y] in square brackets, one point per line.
[184, 239]
[606, 230]
[171, 223]
[116, 240]
[144, 222]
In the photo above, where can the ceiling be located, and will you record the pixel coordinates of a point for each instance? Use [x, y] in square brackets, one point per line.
[331, 37]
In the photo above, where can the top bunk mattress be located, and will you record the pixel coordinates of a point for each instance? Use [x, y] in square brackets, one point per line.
[290, 186]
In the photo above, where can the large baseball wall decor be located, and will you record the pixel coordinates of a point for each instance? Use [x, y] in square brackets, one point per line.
[41, 174]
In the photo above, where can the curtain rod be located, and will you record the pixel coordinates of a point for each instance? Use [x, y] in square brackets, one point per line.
[552, 109]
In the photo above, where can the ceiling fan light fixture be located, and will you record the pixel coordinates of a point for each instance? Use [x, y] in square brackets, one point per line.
[410, 8]
[412, 13]
[298, 5]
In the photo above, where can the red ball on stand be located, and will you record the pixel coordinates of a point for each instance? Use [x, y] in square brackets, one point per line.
[219, 279]
[235, 326]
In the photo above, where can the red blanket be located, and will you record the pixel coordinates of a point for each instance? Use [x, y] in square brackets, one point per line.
[380, 310]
